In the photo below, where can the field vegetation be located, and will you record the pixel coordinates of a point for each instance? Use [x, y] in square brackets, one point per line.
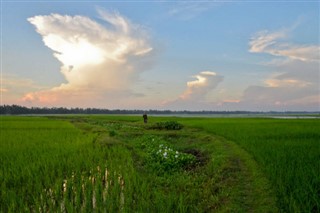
[119, 164]
[287, 150]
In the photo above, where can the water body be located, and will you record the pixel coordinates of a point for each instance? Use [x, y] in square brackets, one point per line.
[296, 117]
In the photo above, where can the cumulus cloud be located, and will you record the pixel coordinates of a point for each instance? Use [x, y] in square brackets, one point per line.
[98, 59]
[194, 97]
[205, 82]
[271, 43]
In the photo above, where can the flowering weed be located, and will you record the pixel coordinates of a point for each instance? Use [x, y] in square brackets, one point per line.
[162, 157]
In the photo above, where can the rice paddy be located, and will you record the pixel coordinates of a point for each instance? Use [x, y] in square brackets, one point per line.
[120, 164]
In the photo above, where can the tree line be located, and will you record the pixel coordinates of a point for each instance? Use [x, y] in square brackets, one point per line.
[16, 110]
[22, 110]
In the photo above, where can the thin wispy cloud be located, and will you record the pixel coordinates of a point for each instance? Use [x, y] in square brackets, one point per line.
[190, 10]
[272, 43]
[97, 59]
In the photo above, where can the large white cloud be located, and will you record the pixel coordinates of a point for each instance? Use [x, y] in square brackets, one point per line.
[98, 60]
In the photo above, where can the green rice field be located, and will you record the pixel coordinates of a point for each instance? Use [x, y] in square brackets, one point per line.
[120, 164]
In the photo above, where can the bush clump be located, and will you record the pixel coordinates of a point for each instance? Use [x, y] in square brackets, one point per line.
[168, 125]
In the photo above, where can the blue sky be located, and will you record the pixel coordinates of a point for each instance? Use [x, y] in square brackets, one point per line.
[196, 55]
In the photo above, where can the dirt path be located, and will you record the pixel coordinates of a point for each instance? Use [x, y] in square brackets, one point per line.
[228, 178]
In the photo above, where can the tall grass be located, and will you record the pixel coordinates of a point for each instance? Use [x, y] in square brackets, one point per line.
[36, 154]
[288, 151]
[49, 165]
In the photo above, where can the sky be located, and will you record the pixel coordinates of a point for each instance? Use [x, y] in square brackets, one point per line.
[176, 55]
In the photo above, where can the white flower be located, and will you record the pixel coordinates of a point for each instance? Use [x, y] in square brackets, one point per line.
[176, 156]
[165, 154]
[177, 152]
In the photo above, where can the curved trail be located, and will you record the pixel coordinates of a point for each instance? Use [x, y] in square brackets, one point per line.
[254, 190]
[230, 179]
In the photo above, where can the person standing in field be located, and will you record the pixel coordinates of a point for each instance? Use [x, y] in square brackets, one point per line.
[145, 118]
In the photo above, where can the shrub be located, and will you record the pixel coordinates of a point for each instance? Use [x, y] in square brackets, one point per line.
[112, 133]
[168, 125]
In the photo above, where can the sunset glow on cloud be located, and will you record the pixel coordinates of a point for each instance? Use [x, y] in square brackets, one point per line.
[96, 60]
[265, 42]
[197, 89]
